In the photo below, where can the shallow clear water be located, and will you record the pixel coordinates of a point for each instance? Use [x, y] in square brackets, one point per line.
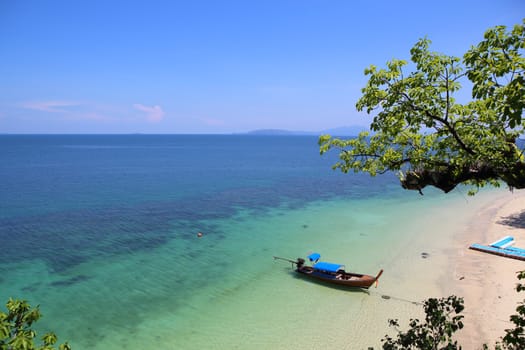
[101, 231]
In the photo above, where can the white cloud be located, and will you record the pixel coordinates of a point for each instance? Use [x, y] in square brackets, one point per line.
[74, 110]
[154, 114]
[50, 106]
[69, 110]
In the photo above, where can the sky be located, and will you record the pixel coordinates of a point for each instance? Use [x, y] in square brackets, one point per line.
[191, 67]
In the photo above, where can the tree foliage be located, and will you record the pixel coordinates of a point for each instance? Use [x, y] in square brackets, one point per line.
[16, 332]
[419, 128]
[443, 319]
[514, 338]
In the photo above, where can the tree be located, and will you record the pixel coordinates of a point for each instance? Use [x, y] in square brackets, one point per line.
[514, 338]
[442, 320]
[421, 131]
[15, 331]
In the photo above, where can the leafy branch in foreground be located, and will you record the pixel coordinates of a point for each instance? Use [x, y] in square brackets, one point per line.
[422, 132]
[15, 331]
[514, 338]
[443, 319]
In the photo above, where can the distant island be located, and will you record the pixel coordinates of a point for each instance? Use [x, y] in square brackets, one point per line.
[340, 131]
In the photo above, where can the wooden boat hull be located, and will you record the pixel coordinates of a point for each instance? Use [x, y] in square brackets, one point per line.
[347, 279]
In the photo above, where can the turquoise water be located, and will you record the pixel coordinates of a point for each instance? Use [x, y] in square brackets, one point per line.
[101, 231]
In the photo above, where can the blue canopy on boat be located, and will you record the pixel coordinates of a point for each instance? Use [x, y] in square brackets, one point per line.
[330, 267]
[314, 257]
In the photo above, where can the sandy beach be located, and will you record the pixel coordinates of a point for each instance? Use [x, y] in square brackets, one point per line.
[487, 282]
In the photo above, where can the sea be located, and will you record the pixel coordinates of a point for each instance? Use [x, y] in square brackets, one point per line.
[168, 241]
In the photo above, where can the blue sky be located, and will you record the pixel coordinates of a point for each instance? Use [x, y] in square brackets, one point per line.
[213, 66]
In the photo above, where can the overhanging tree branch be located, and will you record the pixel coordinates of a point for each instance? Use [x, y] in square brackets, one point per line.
[473, 143]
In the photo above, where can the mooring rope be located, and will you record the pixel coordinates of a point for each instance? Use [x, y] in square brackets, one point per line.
[419, 303]
[390, 297]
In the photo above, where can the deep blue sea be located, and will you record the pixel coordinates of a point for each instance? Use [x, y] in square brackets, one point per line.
[76, 193]
[101, 231]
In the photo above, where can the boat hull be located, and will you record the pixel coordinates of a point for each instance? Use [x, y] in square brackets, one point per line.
[348, 279]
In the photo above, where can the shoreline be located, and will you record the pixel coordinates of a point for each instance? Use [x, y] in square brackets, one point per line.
[485, 281]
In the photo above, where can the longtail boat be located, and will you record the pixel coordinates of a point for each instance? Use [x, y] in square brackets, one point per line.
[331, 273]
